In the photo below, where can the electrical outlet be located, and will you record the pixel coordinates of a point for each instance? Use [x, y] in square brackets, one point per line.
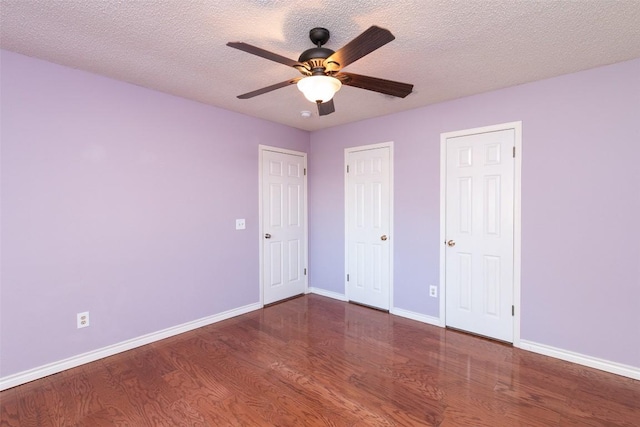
[240, 224]
[433, 291]
[83, 319]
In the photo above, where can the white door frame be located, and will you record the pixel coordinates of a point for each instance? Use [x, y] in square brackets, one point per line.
[517, 226]
[348, 151]
[262, 148]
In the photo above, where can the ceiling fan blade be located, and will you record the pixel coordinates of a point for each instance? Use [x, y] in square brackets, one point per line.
[264, 54]
[325, 108]
[269, 88]
[388, 87]
[372, 39]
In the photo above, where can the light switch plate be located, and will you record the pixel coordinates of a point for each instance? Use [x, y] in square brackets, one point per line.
[240, 224]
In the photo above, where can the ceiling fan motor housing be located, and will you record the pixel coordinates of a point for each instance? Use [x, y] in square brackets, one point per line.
[315, 56]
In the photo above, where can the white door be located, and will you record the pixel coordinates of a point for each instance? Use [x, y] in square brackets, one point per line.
[479, 233]
[284, 243]
[368, 217]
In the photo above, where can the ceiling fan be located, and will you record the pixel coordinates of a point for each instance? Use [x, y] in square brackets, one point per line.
[321, 68]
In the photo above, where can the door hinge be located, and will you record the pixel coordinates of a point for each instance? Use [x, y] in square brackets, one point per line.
[305, 271]
[305, 171]
[513, 310]
[347, 168]
[347, 277]
[514, 152]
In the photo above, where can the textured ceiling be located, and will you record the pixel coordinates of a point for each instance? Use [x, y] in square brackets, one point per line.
[447, 49]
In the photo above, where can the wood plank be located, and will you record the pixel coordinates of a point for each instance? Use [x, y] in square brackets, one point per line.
[317, 361]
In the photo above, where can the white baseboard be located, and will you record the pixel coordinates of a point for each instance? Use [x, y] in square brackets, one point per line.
[72, 362]
[581, 359]
[81, 359]
[395, 311]
[328, 294]
[424, 318]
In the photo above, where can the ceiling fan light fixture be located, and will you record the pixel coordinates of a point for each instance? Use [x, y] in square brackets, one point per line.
[319, 88]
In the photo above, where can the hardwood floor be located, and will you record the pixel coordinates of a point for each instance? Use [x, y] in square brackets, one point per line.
[315, 361]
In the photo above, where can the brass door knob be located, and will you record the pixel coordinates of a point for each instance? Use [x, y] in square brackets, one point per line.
[451, 243]
[267, 236]
[383, 237]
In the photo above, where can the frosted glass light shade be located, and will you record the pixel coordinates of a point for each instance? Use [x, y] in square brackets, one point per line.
[319, 88]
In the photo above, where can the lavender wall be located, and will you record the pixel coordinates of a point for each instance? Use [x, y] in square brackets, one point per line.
[580, 204]
[121, 201]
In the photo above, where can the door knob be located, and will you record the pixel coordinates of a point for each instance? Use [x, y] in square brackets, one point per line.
[267, 236]
[383, 237]
[451, 243]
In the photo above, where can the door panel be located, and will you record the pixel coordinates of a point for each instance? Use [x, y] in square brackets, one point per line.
[368, 219]
[479, 262]
[283, 225]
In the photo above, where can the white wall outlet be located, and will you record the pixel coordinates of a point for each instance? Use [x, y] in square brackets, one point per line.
[433, 291]
[83, 319]
[240, 224]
